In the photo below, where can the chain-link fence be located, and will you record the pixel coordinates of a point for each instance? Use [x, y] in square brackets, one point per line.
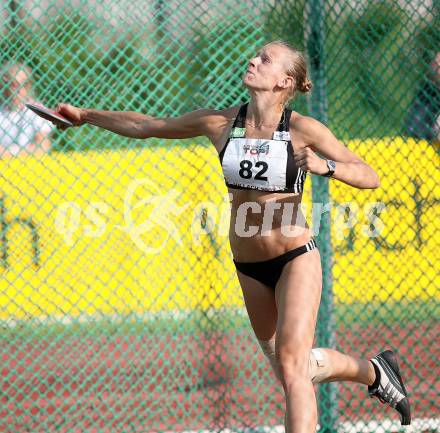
[120, 306]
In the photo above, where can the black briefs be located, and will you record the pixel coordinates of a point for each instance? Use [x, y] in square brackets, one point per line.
[269, 271]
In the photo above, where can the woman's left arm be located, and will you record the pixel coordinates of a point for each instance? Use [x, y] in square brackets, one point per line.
[350, 168]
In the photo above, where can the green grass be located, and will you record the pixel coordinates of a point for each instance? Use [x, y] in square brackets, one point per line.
[388, 312]
[199, 322]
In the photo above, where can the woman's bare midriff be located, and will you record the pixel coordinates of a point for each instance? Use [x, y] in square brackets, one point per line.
[264, 233]
[268, 224]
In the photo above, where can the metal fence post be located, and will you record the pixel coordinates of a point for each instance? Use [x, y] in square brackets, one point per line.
[315, 39]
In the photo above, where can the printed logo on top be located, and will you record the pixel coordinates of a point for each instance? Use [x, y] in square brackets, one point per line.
[238, 132]
[256, 149]
[281, 135]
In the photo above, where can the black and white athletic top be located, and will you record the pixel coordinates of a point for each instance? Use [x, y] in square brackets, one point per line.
[259, 163]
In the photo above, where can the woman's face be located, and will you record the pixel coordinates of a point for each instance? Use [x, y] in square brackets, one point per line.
[268, 69]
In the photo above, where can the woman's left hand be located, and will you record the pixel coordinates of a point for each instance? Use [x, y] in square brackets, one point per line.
[307, 160]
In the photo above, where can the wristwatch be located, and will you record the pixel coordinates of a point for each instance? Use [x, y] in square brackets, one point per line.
[331, 168]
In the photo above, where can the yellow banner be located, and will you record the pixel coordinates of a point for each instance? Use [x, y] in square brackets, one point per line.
[115, 232]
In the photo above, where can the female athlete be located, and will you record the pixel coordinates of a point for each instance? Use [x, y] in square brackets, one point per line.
[265, 151]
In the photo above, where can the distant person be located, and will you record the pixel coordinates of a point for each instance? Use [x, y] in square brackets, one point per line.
[423, 120]
[21, 131]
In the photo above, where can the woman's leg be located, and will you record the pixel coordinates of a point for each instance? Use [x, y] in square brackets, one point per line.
[262, 309]
[328, 365]
[339, 367]
[298, 294]
[260, 305]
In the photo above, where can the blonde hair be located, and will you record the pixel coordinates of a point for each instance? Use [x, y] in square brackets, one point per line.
[297, 68]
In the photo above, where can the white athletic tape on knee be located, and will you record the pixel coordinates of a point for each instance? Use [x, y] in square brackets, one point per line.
[319, 368]
[268, 347]
[319, 357]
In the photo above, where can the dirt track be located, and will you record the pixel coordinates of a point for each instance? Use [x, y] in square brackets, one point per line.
[148, 384]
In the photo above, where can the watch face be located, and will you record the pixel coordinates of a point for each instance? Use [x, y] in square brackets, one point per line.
[331, 165]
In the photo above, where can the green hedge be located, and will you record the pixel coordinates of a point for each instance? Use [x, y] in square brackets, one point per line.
[375, 58]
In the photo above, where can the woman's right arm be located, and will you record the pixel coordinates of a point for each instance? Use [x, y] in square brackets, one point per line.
[137, 125]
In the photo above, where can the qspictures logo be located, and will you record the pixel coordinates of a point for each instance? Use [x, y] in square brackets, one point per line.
[158, 211]
[164, 210]
[153, 216]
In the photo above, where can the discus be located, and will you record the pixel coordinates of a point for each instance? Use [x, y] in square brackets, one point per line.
[48, 114]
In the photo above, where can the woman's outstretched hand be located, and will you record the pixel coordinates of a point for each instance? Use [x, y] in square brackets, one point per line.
[74, 114]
